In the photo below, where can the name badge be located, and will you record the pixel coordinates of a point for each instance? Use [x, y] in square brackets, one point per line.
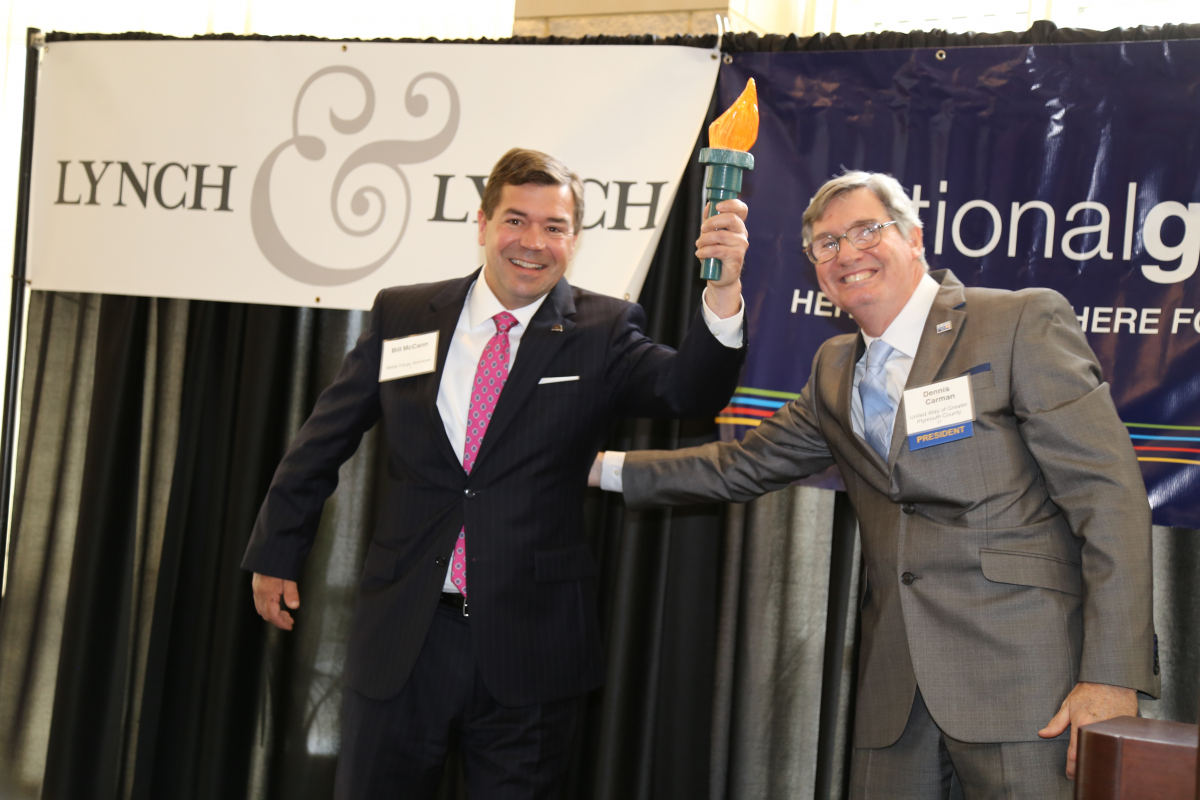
[408, 356]
[939, 413]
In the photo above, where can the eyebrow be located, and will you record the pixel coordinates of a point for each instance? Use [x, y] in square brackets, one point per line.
[868, 221]
[523, 215]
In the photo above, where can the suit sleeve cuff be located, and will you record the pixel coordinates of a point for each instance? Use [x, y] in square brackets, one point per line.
[610, 472]
[726, 331]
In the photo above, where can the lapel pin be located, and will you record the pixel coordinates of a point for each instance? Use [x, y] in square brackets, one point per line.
[943, 326]
[557, 329]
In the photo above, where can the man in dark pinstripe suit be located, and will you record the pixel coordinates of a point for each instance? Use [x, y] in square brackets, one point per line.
[476, 617]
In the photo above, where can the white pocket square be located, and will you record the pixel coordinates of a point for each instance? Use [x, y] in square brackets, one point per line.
[561, 379]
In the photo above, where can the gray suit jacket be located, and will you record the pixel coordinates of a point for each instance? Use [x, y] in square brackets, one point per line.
[1026, 547]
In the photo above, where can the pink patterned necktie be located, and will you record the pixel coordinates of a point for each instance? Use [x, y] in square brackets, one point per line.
[490, 376]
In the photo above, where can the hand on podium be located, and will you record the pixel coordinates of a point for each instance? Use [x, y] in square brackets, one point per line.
[1088, 703]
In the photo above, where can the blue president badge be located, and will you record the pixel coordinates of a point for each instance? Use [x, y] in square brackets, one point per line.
[939, 413]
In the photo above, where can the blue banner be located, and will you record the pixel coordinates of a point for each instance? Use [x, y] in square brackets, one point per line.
[1075, 167]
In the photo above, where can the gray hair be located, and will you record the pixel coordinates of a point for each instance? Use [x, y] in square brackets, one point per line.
[889, 191]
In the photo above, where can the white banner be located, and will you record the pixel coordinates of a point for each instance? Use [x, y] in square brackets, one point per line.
[317, 173]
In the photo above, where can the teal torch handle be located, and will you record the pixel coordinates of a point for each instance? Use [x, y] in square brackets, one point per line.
[722, 181]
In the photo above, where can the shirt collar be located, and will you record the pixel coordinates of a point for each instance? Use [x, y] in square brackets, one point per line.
[482, 305]
[904, 334]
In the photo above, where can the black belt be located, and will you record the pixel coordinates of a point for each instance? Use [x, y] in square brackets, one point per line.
[456, 601]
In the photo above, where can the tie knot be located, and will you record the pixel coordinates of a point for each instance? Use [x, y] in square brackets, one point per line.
[878, 353]
[504, 321]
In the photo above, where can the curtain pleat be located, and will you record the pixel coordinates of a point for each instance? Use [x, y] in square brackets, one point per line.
[779, 655]
[55, 407]
[840, 671]
[161, 397]
[87, 734]
[788, 631]
[1176, 611]
[133, 666]
[197, 723]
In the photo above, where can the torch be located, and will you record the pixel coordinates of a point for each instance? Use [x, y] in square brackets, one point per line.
[730, 136]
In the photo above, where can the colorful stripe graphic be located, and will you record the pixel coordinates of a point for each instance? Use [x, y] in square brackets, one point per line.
[750, 406]
[1142, 440]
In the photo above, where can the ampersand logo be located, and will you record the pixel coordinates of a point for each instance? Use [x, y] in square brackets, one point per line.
[368, 202]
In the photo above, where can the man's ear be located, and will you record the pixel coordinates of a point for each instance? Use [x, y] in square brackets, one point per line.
[916, 240]
[482, 219]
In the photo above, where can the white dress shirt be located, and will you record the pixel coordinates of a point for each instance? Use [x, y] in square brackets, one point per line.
[904, 334]
[471, 335]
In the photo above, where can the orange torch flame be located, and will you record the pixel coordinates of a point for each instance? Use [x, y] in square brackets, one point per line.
[737, 128]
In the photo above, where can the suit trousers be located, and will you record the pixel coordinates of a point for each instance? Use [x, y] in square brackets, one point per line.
[397, 748]
[926, 764]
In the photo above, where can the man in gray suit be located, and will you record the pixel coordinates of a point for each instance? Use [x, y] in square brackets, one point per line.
[1007, 590]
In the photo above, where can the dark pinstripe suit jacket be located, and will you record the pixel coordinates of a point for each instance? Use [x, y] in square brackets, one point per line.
[532, 576]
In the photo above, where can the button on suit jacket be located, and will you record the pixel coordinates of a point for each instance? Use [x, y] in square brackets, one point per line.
[1028, 543]
[532, 577]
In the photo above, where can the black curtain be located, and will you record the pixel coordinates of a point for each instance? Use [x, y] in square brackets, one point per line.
[87, 732]
[199, 693]
[194, 703]
[197, 728]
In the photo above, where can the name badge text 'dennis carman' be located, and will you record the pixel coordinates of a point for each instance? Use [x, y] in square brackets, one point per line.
[408, 356]
[939, 413]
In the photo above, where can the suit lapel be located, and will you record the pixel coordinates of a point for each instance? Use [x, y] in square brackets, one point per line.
[934, 347]
[550, 327]
[444, 310]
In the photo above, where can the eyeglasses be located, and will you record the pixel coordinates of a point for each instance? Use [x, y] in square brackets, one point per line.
[861, 237]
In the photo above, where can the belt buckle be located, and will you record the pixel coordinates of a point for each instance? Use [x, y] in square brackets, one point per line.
[465, 614]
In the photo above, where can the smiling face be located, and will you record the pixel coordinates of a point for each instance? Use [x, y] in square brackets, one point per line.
[528, 242]
[873, 284]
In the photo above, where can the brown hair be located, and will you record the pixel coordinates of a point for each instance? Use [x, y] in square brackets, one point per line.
[518, 167]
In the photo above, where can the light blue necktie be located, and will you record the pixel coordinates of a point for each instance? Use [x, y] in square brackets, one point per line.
[878, 410]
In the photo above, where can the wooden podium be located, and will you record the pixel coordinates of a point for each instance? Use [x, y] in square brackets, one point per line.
[1129, 758]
